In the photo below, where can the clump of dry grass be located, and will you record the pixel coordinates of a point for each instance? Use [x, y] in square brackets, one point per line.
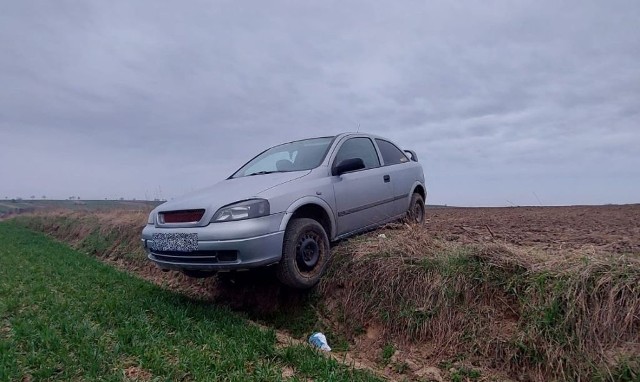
[580, 314]
[569, 316]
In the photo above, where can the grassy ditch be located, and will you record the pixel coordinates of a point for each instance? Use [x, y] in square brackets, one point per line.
[65, 316]
[112, 233]
[536, 315]
[533, 315]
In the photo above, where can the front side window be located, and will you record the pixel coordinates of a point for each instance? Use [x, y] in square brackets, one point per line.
[390, 153]
[292, 156]
[358, 148]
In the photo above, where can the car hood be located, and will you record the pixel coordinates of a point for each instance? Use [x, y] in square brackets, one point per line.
[229, 191]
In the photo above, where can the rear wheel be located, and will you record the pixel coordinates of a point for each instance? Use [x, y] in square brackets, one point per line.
[305, 254]
[416, 211]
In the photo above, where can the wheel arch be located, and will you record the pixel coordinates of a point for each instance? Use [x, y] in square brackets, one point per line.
[420, 189]
[313, 208]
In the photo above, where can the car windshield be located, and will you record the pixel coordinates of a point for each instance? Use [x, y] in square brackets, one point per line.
[292, 156]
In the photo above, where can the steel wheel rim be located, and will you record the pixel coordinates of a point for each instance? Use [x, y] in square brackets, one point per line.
[308, 251]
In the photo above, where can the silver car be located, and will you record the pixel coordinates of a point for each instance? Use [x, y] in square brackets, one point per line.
[286, 205]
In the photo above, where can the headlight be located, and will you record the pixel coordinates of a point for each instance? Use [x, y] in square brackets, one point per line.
[243, 210]
[151, 219]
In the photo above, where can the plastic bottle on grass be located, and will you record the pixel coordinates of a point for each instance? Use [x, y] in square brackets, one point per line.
[320, 341]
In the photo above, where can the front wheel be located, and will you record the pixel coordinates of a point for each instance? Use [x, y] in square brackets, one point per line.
[416, 211]
[305, 254]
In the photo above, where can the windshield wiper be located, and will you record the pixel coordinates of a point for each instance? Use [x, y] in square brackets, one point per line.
[262, 173]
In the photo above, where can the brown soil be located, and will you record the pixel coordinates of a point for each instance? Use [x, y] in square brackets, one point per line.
[610, 228]
[136, 373]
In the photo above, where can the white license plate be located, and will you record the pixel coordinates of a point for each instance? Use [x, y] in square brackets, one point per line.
[183, 242]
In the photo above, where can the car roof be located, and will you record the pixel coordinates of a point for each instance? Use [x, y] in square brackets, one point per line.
[358, 134]
[340, 136]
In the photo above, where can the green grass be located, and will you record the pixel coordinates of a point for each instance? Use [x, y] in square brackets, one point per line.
[65, 316]
[387, 352]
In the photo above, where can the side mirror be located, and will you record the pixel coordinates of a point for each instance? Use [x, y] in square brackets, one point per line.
[348, 165]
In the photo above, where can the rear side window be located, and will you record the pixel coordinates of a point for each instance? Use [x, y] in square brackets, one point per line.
[390, 153]
[358, 148]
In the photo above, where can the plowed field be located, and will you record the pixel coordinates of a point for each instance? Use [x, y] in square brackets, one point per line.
[611, 228]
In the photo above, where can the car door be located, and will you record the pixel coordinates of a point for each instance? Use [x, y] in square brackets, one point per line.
[401, 171]
[363, 197]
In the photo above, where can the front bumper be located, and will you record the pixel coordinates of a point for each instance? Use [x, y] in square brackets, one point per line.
[257, 243]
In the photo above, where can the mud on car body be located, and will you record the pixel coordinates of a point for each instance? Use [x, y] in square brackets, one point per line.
[286, 205]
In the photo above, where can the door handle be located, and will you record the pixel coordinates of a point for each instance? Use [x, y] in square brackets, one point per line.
[386, 178]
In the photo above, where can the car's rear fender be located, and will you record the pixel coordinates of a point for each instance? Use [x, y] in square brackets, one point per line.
[420, 189]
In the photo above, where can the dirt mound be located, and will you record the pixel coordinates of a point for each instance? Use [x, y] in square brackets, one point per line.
[533, 314]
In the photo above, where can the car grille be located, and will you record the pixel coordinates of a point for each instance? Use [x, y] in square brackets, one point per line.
[196, 257]
[182, 216]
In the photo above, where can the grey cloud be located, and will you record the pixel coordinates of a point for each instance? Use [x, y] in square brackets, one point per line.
[126, 97]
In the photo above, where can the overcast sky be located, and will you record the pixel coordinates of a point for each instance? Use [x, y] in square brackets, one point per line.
[505, 102]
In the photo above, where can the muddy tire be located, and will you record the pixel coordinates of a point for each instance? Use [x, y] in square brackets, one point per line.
[305, 254]
[416, 211]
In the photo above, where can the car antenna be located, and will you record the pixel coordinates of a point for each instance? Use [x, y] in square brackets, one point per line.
[358, 128]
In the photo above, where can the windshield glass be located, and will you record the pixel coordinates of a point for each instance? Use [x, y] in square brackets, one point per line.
[293, 156]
